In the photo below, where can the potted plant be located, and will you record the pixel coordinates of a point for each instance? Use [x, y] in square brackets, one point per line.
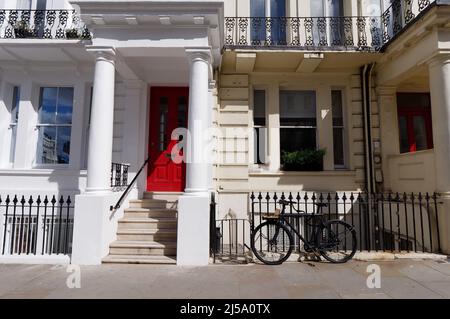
[72, 33]
[304, 160]
[22, 30]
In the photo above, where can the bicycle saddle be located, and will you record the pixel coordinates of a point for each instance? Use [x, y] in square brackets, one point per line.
[320, 205]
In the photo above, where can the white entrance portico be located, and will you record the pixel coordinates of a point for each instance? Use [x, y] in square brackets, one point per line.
[158, 44]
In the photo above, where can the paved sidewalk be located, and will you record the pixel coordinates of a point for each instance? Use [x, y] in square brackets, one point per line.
[399, 279]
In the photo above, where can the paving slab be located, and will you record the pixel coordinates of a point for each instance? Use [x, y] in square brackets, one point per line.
[318, 280]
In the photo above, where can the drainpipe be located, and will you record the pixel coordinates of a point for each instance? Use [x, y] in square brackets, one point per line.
[366, 79]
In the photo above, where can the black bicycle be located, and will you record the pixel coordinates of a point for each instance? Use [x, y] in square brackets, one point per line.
[272, 241]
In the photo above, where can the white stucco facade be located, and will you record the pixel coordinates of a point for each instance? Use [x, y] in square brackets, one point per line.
[145, 44]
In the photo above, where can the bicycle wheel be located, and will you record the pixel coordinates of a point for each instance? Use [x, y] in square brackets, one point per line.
[272, 243]
[336, 241]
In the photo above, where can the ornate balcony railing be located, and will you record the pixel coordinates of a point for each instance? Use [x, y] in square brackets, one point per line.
[42, 24]
[400, 14]
[323, 33]
[362, 33]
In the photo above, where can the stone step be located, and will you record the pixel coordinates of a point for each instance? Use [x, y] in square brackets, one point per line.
[149, 212]
[140, 259]
[167, 235]
[147, 223]
[171, 197]
[142, 248]
[150, 203]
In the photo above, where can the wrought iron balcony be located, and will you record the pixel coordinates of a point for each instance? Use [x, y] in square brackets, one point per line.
[401, 14]
[362, 33]
[42, 24]
[308, 33]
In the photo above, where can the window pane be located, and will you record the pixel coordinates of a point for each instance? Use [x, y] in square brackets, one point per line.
[403, 132]
[335, 8]
[65, 106]
[47, 107]
[15, 105]
[257, 8]
[259, 108]
[63, 145]
[338, 146]
[278, 8]
[420, 133]
[163, 125]
[298, 108]
[297, 139]
[336, 106]
[182, 112]
[46, 151]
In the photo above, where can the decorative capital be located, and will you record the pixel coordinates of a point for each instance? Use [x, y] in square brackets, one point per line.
[439, 59]
[202, 53]
[106, 53]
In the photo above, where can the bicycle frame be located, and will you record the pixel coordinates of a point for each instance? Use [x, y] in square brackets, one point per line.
[283, 219]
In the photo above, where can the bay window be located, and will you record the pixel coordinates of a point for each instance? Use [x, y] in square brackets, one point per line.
[55, 125]
[298, 121]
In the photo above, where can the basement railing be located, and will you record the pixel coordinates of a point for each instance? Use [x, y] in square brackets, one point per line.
[36, 225]
[42, 24]
[384, 222]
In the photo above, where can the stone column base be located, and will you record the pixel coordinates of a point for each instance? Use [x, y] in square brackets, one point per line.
[95, 227]
[193, 230]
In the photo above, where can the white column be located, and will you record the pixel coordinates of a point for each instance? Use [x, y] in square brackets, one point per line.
[193, 206]
[101, 128]
[439, 68]
[198, 121]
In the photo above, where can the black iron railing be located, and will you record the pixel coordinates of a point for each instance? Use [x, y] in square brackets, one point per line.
[36, 226]
[383, 221]
[42, 24]
[400, 14]
[323, 33]
[360, 33]
[129, 186]
[119, 174]
[229, 237]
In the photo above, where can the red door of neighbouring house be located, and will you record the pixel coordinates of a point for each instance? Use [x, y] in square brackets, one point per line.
[168, 111]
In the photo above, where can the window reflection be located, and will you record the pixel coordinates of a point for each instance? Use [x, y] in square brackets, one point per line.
[55, 119]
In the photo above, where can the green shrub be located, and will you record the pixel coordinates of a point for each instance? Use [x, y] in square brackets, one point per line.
[304, 160]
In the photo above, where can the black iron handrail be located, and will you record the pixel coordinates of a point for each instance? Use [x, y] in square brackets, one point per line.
[127, 190]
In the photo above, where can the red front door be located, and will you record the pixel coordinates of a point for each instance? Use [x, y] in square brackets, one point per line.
[168, 111]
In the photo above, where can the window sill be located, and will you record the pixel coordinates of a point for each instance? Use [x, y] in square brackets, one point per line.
[338, 173]
[43, 172]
